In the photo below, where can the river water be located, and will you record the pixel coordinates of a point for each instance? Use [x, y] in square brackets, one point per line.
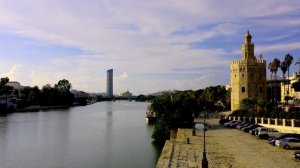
[104, 134]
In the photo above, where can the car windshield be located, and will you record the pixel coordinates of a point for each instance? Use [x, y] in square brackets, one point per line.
[279, 136]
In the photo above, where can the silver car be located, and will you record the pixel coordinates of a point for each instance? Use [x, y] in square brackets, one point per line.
[288, 143]
[263, 132]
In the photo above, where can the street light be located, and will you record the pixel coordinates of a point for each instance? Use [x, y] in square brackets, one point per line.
[204, 159]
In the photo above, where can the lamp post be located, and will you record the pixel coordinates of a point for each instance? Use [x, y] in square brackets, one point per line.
[204, 159]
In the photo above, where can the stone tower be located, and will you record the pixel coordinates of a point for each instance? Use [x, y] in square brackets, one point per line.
[247, 76]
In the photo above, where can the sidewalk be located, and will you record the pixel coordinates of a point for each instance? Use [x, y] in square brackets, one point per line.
[225, 148]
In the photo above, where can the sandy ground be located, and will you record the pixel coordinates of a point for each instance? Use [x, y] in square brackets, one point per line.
[225, 148]
[235, 148]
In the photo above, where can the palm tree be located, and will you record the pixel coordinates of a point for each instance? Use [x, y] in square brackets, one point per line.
[271, 68]
[283, 67]
[276, 64]
[288, 59]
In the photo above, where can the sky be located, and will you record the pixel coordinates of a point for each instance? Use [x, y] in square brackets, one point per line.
[152, 45]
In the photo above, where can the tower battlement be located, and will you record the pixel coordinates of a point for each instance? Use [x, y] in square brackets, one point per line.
[248, 61]
[248, 75]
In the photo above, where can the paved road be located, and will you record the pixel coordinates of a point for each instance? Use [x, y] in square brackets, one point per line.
[235, 148]
[225, 148]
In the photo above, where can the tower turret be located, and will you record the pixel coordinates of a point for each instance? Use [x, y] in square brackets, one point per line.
[248, 48]
[248, 76]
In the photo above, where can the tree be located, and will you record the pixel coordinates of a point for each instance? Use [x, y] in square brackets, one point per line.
[296, 86]
[249, 104]
[288, 59]
[63, 85]
[5, 90]
[4, 81]
[283, 67]
[177, 109]
[271, 67]
[276, 65]
[34, 95]
[49, 96]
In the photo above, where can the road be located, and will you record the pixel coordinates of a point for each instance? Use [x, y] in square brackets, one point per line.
[225, 148]
[234, 148]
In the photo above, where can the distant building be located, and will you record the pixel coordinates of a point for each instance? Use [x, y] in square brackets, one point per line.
[15, 85]
[109, 83]
[126, 94]
[288, 90]
[247, 76]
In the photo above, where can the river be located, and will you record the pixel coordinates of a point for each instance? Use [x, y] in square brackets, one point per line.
[104, 134]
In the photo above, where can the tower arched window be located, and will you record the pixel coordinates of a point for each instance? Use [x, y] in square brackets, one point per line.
[243, 89]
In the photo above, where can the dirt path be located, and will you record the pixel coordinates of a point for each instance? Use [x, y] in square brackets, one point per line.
[235, 148]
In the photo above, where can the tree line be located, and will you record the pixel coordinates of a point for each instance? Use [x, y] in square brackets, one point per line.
[56, 95]
[178, 109]
[284, 67]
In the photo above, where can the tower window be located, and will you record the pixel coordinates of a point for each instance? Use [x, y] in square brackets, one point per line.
[242, 75]
[243, 89]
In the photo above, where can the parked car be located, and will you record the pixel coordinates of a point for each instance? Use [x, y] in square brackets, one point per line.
[265, 133]
[241, 124]
[243, 128]
[245, 125]
[233, 125]
[254, 131]
[223, 120]
[288, 143]
[297, 155]
[282, 136]
[230, 122]
[247, 129]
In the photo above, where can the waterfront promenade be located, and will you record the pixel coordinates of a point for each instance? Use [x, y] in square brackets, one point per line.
[225, 148]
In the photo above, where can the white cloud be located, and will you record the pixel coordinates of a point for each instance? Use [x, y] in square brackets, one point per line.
[13, 72]
[132, 36]
[287, 47]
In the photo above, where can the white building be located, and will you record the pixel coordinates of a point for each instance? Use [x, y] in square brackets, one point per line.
[126, 94]
[15, 85]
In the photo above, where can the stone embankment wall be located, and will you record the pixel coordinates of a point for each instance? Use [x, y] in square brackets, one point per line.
[182, 150]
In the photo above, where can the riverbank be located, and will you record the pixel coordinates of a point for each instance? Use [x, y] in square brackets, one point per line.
[38, 108]
[225, 148]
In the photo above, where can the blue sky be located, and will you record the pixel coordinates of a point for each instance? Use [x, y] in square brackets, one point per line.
[151, 45]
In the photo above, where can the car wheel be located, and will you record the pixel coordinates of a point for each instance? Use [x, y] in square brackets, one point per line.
[286, 147]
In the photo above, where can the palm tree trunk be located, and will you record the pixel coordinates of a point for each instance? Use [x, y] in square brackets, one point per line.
[285, 102]
[288, 91]
[275, 89]
[272, 89]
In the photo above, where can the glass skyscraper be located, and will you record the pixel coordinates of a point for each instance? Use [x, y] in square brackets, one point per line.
[109, 83]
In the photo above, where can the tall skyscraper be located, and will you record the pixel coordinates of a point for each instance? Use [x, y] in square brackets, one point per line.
[109, 83]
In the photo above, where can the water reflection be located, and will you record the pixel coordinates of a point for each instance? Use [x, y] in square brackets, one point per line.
[106, 134]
